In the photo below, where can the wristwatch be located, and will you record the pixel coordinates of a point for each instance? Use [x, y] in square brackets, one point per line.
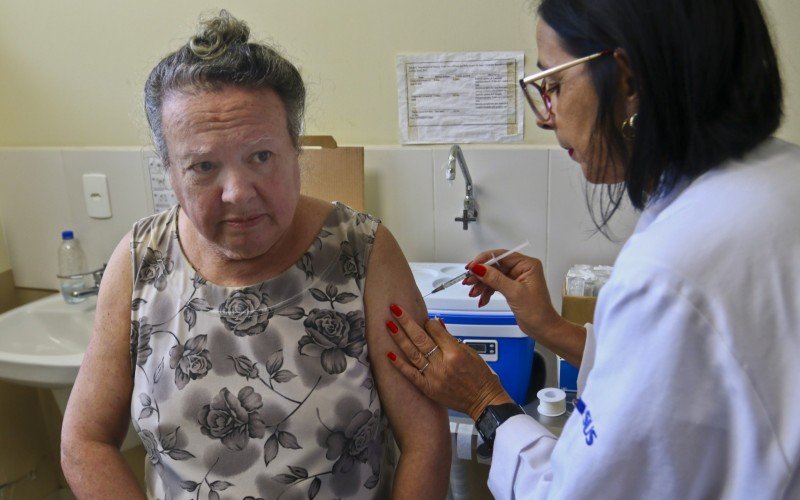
[492, 417]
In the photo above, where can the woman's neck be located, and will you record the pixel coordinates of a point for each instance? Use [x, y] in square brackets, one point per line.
[218, 266]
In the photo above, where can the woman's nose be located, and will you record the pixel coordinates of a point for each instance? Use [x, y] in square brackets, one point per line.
[237, 186]
[545, 124]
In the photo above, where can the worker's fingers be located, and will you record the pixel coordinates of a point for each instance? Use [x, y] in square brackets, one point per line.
[493, 279]
[486, 295]
[409, 371]
[511, 266]
[420, 343]
[438, 332]
[453, 374]
[407, 348]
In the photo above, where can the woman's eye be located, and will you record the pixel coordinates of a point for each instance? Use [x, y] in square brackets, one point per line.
[203, 167]
[551, 87]
[262, 156]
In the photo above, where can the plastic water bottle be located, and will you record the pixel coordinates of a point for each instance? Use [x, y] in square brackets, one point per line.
[71, 261]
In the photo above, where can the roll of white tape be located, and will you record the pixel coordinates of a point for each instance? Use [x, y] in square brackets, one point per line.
[552, 402]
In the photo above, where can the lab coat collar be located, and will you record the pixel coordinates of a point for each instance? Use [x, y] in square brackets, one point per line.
[660, 201]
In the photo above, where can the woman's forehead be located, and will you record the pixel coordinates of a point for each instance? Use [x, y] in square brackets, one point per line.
[213, 108]
[549, 46]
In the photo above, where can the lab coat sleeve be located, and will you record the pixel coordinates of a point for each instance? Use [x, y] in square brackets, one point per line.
[523, 461]
[587, 361]
[651, 424]
[528, 461]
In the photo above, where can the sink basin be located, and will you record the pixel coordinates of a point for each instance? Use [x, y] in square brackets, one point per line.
[42, 343]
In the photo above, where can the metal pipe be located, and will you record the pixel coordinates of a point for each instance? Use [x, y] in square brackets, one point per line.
[470, 212]
[456, 155]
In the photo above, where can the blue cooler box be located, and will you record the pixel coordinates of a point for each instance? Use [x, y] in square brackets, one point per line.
[567, 375]
[491, 330]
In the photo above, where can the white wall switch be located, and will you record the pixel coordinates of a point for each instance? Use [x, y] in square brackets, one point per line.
[95, 194]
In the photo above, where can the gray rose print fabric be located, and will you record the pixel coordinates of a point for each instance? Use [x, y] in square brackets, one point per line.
[260, 392]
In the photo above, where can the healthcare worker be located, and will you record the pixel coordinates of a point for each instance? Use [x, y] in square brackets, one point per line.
[693, 355]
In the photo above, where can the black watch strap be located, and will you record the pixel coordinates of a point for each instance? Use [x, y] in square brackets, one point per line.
[492, 417]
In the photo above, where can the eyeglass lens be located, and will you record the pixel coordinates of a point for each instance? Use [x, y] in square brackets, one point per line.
[538, 102]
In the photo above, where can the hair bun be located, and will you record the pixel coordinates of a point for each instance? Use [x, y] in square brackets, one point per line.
[215, 35]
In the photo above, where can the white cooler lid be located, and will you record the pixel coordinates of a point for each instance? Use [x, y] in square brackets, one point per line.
[428, 275]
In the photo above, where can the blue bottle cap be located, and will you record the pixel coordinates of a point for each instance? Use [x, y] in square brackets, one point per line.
[67, 235]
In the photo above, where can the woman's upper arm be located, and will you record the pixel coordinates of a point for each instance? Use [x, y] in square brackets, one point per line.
[389, 281]
[99, 404]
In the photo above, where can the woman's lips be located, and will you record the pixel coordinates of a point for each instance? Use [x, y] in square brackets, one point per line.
[244, 222]
[570, 151]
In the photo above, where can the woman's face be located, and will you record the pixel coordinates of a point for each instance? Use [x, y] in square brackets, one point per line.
[574, 107]
[233, 167]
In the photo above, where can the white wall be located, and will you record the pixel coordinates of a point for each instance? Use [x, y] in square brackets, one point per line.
[73, 69]
[5, 262]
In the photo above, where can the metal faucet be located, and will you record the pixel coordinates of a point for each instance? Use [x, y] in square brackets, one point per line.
[97, 275]
[470, 213]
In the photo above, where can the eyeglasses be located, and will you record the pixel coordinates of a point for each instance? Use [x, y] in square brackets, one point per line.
[539, 99]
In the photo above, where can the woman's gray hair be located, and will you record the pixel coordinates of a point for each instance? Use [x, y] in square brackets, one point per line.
[219, 55]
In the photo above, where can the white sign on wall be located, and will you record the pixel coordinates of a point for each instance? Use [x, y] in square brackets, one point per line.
[460, 97]
[163, 196]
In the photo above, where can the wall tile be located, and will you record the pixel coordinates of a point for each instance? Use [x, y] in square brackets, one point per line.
[35, 207]
[127, 192]
[510, 186]
[572, 238]
[44, 196]
[399, 190]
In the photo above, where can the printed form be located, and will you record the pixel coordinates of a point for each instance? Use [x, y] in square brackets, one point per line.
[163, 196]
[460, 97]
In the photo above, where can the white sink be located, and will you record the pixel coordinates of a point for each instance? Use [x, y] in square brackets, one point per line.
[42, 343]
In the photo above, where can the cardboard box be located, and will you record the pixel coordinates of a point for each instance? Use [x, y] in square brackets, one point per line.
[332, 173]
[579, 310]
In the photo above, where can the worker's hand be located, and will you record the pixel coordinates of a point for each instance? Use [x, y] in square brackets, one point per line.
[521, 281]
[452, 374]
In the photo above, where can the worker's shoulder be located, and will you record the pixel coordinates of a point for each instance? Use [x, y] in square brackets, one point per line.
[743, 213]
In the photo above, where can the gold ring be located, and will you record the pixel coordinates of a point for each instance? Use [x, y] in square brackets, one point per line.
[431, 351]
[423, 368]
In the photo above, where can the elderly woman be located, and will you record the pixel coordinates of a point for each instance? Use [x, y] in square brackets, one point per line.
[692, 359]
[238, 330]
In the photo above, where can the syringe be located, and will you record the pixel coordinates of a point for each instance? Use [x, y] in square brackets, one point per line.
[489, 262]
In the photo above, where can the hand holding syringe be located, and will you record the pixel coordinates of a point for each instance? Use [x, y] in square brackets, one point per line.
[489, 262]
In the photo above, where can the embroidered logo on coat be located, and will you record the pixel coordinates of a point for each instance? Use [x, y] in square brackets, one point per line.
[589, 432]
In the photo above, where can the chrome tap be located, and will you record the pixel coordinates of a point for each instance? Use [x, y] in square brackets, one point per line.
[96, 275]
[470, 213]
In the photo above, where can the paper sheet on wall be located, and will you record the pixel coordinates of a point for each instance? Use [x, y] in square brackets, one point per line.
[460, 97]
[163, 196]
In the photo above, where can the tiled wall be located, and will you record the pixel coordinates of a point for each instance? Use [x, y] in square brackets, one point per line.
[42, 194]
[523, 193]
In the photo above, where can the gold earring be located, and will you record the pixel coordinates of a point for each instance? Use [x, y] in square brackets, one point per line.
[628, 128]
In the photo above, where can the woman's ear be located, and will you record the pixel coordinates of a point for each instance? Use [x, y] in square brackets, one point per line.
[627, 83]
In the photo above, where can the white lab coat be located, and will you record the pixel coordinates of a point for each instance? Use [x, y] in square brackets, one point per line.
[694, 392]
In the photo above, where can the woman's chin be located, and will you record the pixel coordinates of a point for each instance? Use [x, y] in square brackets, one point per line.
[241, 249]
[599, 175]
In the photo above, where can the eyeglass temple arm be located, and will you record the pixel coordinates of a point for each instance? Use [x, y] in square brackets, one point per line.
[562, 67]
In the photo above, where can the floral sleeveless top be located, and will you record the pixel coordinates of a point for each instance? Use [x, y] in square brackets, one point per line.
[260, 392]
